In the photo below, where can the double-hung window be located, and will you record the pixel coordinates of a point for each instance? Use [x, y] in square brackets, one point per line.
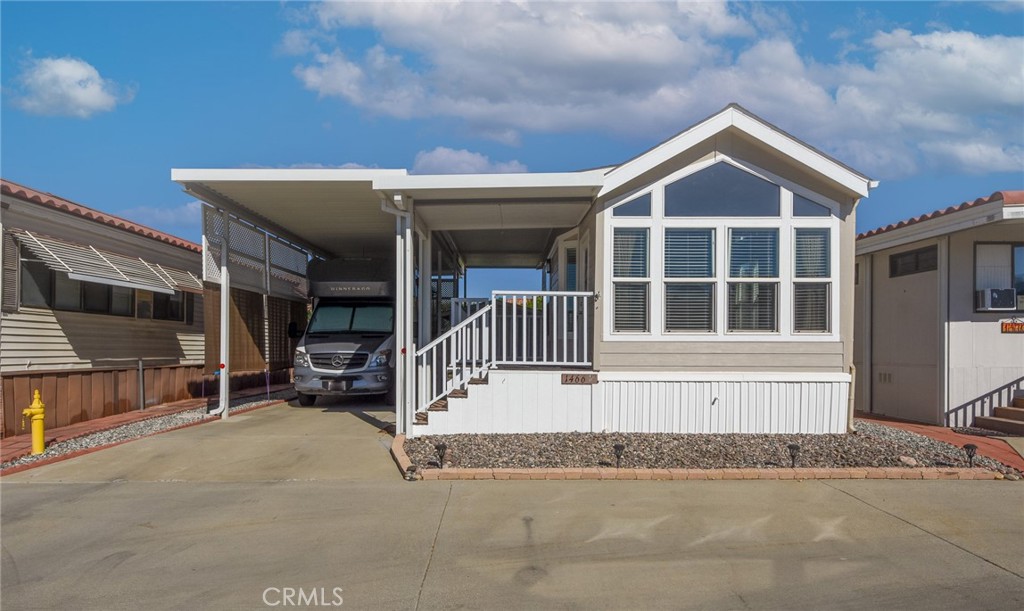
[812, 288]
[753, 280]
[630, 279]
[689, 279]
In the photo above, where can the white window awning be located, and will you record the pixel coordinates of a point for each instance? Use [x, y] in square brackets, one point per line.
[88, 264]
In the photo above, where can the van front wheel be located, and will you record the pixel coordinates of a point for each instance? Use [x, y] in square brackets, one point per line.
[306, 400]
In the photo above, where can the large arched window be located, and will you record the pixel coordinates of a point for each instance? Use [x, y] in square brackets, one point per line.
[723, 251]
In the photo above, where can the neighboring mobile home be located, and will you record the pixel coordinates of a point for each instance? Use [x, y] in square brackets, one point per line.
[703, 286]
[936, 300]
[90, 303]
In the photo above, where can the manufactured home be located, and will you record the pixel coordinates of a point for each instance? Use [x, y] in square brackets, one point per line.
[703, 286]
[101, 314]
[939, 302]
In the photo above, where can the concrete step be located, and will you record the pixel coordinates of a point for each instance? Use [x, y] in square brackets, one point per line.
[1005, 425]
[1010, 413]
[441, 405]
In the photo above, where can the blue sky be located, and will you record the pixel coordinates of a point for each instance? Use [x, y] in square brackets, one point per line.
[100, 100]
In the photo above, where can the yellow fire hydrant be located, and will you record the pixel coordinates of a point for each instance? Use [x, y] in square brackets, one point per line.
[37, 412]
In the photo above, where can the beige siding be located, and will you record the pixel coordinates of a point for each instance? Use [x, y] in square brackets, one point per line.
[905, 341]
[823, 357]
[41, 339]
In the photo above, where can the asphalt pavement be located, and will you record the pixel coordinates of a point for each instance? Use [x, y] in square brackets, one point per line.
[304, 506]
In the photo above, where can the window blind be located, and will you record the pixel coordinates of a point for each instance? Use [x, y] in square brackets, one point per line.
[689, 253]
[812, 253]
[689, 306]
[629, 310]
[811, 307]
[753, 306]
[629, 252]
[754, 253]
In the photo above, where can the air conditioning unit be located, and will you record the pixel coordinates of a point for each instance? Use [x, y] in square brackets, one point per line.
[995, 300]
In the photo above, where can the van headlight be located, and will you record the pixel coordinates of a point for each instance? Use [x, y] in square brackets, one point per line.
[381, 358]
[301, 359]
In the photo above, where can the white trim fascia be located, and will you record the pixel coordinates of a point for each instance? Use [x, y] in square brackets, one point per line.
[591, 179]
[666, 151]
[738, 376]
[183, 175]
[951, 223]
[802, 153]
[733, 117]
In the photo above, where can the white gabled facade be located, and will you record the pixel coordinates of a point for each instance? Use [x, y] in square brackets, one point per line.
[758, 365]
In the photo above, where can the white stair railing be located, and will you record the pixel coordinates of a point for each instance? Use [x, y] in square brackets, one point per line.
[541, 328]
[452, 360]
[463, 307]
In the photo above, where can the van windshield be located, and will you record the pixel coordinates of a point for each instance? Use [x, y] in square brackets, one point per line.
[339, 318]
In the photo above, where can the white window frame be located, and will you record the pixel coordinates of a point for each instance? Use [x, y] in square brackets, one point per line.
[786, 223]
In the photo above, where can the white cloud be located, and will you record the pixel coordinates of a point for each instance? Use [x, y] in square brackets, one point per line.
[181, 219]
[443, 160]
[646, 70]
[67, 86]
[1006, 6]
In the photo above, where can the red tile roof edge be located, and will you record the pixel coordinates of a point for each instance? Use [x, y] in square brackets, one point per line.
[59, 203]
[1009, 198]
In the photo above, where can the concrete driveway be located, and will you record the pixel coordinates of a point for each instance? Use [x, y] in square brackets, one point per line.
[233, 515]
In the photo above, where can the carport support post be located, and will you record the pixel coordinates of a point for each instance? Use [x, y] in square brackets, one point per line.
[409, 312]
[400, 356]
[225, 317]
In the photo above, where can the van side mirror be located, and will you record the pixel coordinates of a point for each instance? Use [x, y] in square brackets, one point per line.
[293, 330]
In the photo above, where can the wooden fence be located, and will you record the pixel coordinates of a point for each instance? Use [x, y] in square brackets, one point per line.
[77, 395]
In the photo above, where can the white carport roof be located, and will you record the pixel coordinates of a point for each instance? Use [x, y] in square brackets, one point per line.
[494, 219]
[339, 212]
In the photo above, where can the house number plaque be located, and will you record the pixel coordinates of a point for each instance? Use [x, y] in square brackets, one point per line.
[579, 378]
[1007, 326]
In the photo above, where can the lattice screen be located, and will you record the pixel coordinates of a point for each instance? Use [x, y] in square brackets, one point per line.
[257, 261]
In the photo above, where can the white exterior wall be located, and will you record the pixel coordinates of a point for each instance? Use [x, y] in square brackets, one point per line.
[981, 359]
[537, 402]
[515, 402]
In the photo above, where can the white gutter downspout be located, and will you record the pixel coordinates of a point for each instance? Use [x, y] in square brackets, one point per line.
[225, 318]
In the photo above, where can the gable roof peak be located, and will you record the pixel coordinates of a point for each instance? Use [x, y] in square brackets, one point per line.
[735, 116]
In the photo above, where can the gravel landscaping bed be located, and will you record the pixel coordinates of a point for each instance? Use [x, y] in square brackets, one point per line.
[874, 445]
[134, 430]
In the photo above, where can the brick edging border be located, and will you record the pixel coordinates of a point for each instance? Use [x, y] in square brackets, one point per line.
[398, 453]
[604, 473]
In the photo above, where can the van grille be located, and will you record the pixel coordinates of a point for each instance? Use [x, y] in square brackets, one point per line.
[347, 360]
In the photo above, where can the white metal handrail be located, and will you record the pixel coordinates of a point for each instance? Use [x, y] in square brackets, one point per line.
[463, 307]
[451, 360]
[541, 328]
